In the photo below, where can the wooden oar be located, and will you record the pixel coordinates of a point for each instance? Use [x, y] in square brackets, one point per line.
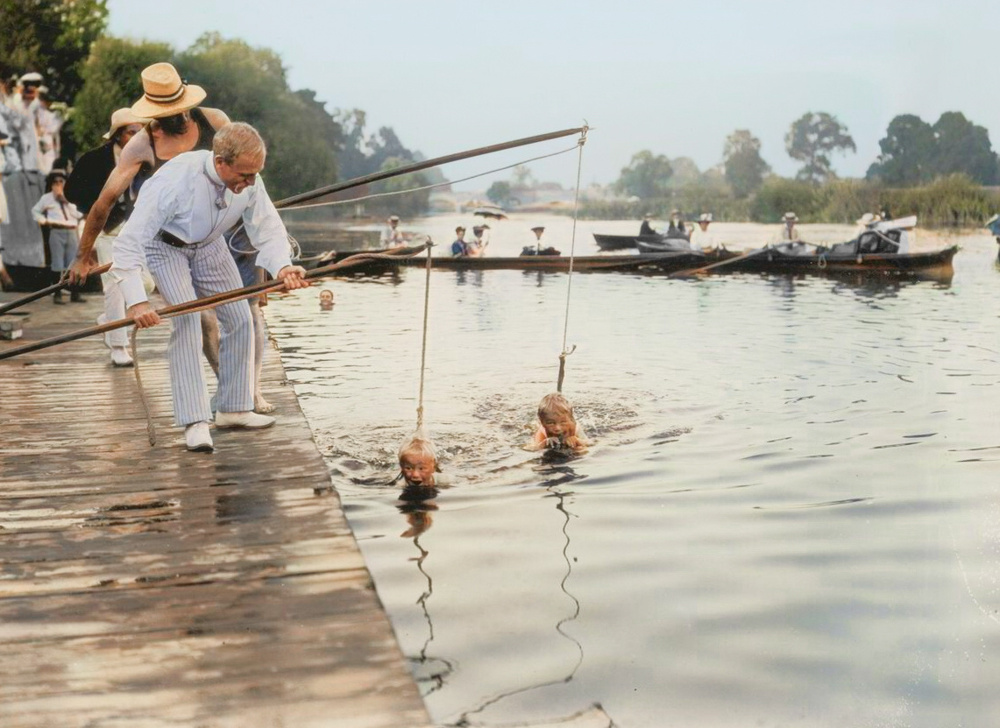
[43, 292]
[713, 266]
[200, 304]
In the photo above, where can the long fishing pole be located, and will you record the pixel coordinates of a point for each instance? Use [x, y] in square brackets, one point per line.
[290, 202]
[199, 304]
[43, 292]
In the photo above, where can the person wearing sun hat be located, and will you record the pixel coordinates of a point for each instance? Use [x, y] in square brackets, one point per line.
[789, 233]
[178, 125]
[83, 188]
[701, 238]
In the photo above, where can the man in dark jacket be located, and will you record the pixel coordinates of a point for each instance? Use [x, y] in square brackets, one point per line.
[82, 189]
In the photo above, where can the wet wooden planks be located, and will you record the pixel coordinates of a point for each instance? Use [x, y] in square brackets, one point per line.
[149, 586]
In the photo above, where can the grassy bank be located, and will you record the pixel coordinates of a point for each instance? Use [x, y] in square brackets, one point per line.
[953, 201]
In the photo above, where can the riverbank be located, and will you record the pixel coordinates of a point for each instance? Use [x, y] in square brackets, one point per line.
[149, 586]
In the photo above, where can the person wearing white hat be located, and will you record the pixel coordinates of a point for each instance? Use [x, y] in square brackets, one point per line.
[391, 235]
[864, 223]
[178, 126]
[790, 233]
[701, 238]
[83, 188]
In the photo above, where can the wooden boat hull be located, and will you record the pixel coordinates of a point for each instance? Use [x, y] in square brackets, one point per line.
[622, 242]
[561, 263]
[938, 261]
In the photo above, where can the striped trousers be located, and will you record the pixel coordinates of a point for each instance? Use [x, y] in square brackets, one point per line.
[196, 271]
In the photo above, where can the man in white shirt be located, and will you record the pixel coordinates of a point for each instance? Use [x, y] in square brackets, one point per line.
[701, 238]
[391, 234]
[176, 230]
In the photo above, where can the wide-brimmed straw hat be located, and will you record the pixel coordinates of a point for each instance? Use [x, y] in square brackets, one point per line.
[705, 217]
[393, 218]
[32, 77]
[122, 117]
[791, 216]
[165, 94]
[867, 219]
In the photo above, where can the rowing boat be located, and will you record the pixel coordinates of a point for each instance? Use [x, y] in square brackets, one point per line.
[775, 260]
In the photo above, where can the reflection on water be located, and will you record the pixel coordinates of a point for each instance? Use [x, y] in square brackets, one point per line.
[790, 515]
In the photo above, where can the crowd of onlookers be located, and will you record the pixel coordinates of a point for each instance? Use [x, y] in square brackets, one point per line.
[29, 151]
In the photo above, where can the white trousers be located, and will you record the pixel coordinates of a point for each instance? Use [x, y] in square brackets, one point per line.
[114, 300]
[196, 271]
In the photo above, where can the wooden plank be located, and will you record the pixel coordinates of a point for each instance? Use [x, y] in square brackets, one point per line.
[149, 586]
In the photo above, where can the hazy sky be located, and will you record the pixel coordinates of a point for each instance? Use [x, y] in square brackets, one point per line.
[672, 77]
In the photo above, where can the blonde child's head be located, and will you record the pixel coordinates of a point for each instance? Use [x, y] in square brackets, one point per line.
[418, 460]
[556, 416]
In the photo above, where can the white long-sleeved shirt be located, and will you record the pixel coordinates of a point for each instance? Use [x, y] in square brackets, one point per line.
[49, 209]
[187, 199]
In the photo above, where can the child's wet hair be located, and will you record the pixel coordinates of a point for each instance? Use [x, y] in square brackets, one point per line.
[555, 404]
[418, 445]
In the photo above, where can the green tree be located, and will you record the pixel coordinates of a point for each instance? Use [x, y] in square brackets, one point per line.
[908, 153]
[408, 204]
[964, 148]
[745, 168]
[250, 85]
[500, 193]
[811, 139]
[684, 172]
[52, 37]
[646, 176]
[111, 81]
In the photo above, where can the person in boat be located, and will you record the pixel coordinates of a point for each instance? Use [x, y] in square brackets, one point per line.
[177, 230]
[647, 228]
[477, 246]
[459, 248]
[865, 223]
[790, 243]
[59, 217]
[391, 235]
[557, 428]
[701, 238]
[676, 228]
[83, 188]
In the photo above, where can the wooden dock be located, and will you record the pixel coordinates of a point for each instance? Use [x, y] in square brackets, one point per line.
[149, 586]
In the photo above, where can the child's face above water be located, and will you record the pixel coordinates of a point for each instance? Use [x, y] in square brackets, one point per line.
[417, 469]
[558, 425]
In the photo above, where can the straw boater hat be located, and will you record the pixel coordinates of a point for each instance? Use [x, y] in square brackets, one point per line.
[165, 94]
[865, 219]
[705, 217]
[33, 78]
[791, 216]
[393, 218]
[122, 117]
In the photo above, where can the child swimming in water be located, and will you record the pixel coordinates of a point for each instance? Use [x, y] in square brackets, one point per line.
[418, 461]
[326, 298]
[557, 427]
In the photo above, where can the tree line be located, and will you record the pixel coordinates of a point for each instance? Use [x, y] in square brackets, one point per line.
[94, 73]
[953, 156]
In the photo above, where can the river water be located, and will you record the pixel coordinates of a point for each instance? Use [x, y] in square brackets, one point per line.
[790, 515]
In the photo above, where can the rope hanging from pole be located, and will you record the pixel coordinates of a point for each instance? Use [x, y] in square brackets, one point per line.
[423, 344]
[572, 250]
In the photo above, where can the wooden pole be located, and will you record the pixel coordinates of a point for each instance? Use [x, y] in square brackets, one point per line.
[291, 202]
[43, 292]
[713, 266]
[200, 304]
